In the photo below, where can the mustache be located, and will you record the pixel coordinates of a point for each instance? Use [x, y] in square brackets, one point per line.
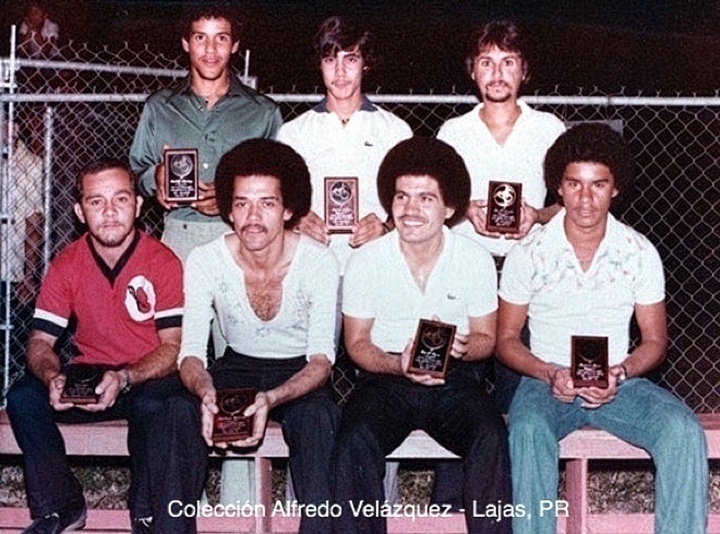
[247, 227]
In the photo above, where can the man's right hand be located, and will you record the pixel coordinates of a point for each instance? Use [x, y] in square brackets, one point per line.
[422, 379]
[160, 185]
[208, 409]
[562, 386]
[315, 227]
[55, 389]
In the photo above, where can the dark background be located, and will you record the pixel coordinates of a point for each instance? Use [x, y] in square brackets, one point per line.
[666, 46]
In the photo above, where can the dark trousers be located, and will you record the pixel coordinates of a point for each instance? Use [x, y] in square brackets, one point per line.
[49, 482]
[381, 413]
[309, 425]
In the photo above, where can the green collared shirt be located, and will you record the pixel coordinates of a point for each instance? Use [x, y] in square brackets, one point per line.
[179, 118]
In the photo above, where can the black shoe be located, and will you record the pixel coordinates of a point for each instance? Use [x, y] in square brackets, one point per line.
[67, 520]
[142, 525]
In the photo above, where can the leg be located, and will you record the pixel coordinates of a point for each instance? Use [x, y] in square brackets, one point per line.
[49, 483]
[177, 458]
[376, 419]
[537, 422]
[309, 426]
[464, 419]
[646, 415]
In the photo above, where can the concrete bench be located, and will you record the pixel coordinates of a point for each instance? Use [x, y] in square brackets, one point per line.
[577, 449]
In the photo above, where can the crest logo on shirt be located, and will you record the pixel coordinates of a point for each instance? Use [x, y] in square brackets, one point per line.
[140, 299]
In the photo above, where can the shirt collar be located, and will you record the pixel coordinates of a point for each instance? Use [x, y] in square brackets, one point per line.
[182, 87]
[366, 105]
[557, 239]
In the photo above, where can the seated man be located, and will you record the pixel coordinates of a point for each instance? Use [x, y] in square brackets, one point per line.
[420, 271]
[274, 293]
[123, 290]
[586, 274]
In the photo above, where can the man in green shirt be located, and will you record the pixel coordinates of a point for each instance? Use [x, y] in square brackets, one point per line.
[210, 110]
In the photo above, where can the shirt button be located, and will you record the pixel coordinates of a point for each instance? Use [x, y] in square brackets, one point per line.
[206, 165]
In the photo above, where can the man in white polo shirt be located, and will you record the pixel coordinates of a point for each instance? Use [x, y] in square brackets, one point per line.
[586, 274]
[421, 270]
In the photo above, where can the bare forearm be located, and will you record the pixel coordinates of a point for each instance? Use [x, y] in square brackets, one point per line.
[480, 346]
[371, 358]
[311, 377]
[645, 358]
[195, 377]
[547, 213]
[159, 363]
[42, 360]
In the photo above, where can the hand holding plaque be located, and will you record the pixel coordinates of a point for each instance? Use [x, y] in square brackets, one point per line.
[80, 383]
[431, 348]
[181, 174]
[341, 204]
[503, 208]
[590, 366]
[230, 424]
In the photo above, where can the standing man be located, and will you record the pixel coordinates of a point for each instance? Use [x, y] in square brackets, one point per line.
[274, 293]
[502, 138]
[210, 110]
[422, 270]
[586, 274]
[123, 291]
[345, 135]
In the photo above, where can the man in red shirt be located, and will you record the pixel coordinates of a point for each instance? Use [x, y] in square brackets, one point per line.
[120, 293]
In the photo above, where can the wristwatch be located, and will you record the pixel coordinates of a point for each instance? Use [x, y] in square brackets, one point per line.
[622, 377]
[126, 376]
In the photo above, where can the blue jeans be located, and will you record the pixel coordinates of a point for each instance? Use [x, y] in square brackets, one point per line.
[642, 414]
[156, 476]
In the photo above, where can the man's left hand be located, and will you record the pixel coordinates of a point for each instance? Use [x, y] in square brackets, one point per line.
[368, 228]
[260, 409]
[109, 391]
[207, 205]
[595, 397]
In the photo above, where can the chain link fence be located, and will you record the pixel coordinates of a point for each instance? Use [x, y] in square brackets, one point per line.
[64, 113]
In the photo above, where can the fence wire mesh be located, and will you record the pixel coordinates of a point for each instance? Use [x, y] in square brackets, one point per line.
[66, 113]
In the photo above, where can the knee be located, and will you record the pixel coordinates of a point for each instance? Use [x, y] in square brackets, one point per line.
[684, 435]
[27, 397]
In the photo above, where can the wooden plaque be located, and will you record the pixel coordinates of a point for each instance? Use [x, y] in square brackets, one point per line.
[230, 424]
[590, 361]
[341, 204]
[80, 383]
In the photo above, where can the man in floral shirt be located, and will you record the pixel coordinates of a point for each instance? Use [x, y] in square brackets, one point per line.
[585, 274]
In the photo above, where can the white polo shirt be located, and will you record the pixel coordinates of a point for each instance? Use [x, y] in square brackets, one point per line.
[378, 285]
[543, 272]
[520, 159]
[357, 148]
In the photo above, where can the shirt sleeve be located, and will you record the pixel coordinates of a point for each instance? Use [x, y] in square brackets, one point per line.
[323, 281]
[358, 293]
[515, 281]
[54, 305]
[198, 307]
[482, 284]
[143, 154]
[169, 307]
[650, 282]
